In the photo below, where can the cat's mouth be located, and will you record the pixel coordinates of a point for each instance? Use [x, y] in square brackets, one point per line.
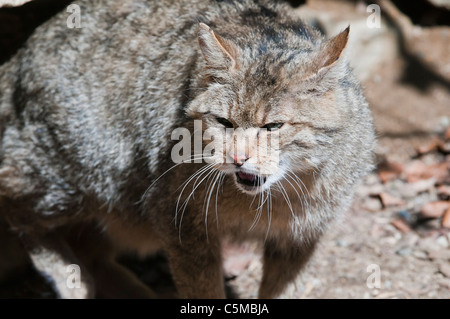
[250, 180]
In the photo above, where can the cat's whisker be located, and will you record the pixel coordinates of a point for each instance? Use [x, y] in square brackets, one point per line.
[286, 197]
[216, 177]
[304, 199]
[253, 200]
[193, 157]
[302, 186]
[308, 194]
[220, 183]
[261, 202]
[269, 213]
[185, 203]
[209, 182]
[295, 190]
[199, 173]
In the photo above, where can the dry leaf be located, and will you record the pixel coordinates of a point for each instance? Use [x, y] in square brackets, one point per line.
[389, 200]
[447, 134]
[401, 225]
[389, 170]
[417, 171]
[434, 209]
[443, 190]
[444, 147]
[430, 147]
[446, 219]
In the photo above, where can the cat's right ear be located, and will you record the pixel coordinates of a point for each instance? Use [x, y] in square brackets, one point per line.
[332, 52]
[219, 53]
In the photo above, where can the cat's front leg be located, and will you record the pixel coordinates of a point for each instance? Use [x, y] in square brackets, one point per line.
[55, 260]
[196, 263]
[281, 265]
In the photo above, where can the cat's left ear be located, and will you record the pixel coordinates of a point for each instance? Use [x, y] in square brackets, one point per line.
[219, 53]
[332, 51]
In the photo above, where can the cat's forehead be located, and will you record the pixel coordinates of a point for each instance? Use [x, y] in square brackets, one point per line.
[253, 107]
[274, 72]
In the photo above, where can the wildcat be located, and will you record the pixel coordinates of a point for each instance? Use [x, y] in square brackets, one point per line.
[86, 122]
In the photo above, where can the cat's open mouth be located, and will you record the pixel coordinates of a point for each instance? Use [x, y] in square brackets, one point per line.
[250, 179]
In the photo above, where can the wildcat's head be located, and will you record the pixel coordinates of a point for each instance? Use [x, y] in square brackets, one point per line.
[271, 108]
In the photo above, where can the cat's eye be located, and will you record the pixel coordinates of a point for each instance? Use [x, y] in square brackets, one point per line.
[273, 126]
[224, 122]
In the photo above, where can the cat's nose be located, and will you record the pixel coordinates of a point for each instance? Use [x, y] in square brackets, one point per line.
[240, 159]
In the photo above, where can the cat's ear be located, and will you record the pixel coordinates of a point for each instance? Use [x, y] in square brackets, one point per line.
[331, 52]
[218, 52]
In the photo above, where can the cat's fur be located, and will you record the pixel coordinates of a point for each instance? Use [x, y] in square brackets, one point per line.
[86, 117]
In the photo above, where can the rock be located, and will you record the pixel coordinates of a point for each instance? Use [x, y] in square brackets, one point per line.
[12, 3]
[389, 200]
[341, 243]
[441, 3]
[429, 245]
[434, 209]
[412, 189]
[401, 225]
[444, 282]
[443, 254]
[445, 270]
[405, 215]
[446, 219]
[442, 241]
[370, 190]
[420, 254]
[371, 204]
[404, 251]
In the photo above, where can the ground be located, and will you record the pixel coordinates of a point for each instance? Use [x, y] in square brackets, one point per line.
[395, 240]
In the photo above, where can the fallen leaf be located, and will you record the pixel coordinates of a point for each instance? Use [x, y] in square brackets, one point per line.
[446, 219]
[401, 225]
[389, 170]
[443, 190]
[418, 170]
[427, 148]
[434, 209]
[444, 147]
[389, 200]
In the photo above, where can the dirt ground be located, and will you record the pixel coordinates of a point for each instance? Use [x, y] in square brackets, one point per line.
[395, 240]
